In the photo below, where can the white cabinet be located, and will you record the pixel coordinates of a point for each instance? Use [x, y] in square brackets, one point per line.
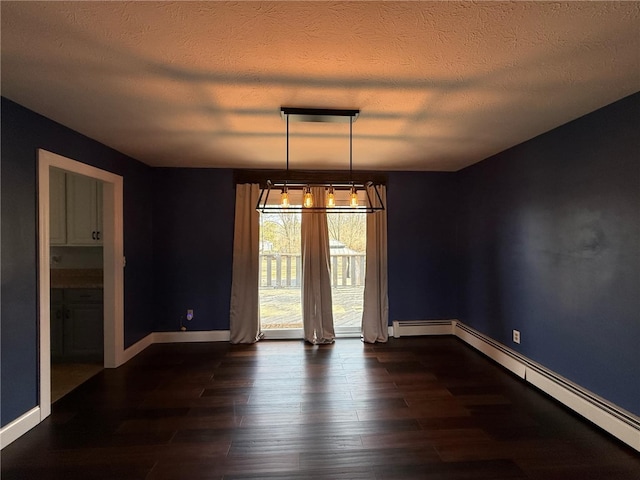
[84, 210]
[75, 209]
[57, 208]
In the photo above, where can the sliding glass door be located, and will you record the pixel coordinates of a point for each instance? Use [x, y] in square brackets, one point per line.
[281, 270]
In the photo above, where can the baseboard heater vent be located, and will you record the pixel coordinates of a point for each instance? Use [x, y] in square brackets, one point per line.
[408, 328]
[615, 420]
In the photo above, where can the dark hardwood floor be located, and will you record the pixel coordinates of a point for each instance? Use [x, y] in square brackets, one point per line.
[415, 408]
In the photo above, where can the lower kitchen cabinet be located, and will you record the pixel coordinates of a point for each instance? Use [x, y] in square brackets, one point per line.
[77, 319]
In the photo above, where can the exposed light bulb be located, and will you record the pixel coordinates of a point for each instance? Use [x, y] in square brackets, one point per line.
[307, 200]
[284, 198]
[353, 198]
[331, 199]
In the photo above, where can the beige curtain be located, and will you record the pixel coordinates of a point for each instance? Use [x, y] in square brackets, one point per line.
[317, 315]
[375, 316]
[245, 313]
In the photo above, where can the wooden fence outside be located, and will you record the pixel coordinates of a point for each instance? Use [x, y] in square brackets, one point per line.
[285, 270]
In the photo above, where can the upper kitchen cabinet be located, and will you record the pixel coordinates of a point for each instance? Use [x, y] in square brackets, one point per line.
[75, 209]
[84, 210]
[57, 207]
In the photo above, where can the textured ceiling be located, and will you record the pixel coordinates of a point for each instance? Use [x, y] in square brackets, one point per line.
[440, 85]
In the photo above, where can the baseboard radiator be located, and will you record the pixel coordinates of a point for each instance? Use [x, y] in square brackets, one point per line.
[618, 422]
[409, 328]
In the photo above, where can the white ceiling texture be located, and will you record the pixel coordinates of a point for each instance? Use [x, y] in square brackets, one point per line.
[440, 85]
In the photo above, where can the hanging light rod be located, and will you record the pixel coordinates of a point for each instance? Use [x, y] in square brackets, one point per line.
[321, 115]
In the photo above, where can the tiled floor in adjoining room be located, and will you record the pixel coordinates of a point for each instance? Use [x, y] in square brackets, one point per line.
[67, 376]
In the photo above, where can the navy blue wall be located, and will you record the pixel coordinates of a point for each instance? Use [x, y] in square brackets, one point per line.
[23, 132]
[193, 244]
[422, 248]
[551, 232]
[193, 211]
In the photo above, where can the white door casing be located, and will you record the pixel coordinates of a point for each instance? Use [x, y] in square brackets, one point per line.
[113, 264]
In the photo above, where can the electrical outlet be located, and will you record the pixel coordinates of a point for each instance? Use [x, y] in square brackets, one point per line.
[516, 336]
[189, 314]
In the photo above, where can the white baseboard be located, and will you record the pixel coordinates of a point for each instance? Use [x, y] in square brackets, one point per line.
[618, 422]
[19, 426]
[137, 347]
[191, 336]
[175, 337]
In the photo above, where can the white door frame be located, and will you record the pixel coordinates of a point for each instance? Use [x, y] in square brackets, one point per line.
[113, 263]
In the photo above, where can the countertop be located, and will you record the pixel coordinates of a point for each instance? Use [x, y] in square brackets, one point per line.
[77, 278]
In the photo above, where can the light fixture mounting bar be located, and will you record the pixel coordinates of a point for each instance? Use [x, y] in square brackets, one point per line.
[323, 115]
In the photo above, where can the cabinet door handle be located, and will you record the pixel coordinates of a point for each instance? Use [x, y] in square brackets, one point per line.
[66, 314]
[93, 235]
[98, 235]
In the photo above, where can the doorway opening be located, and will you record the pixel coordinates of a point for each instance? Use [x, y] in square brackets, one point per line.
[76, 280]
[281, 271]
[112, 265]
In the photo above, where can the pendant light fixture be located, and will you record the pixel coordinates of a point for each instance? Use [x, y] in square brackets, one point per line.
[307, 198]
[331, 197]
[340, 195]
